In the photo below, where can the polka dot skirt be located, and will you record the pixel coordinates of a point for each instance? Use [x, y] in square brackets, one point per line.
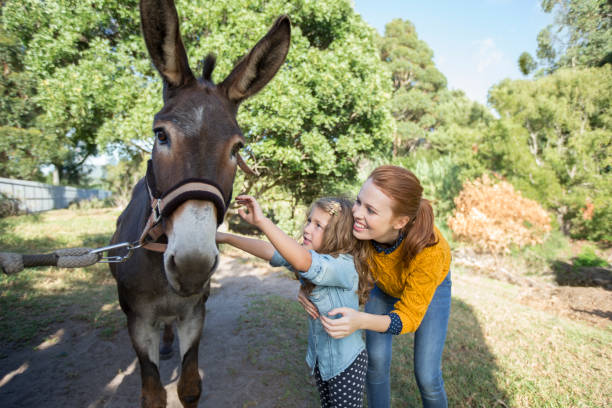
[345, 389]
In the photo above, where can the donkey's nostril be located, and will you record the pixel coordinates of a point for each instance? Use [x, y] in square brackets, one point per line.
[171, 262]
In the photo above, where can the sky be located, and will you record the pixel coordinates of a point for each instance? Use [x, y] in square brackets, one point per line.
[476, 43]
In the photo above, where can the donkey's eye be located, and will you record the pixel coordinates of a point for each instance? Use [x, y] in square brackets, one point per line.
[236, 149]
[161, 135]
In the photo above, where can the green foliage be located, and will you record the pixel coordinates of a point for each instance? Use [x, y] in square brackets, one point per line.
[438, 130]
[526, 63]
[94, 203]
[580, 37]
[440, 179]
[78, 61]
[325, 110]
[560, 125]
[461, 132]
[538, 258]
[588, 257]
[308, 129]
[553, 143]
[416, 83]
[122, 177]
[16, 108]
[22, 147]
[21, 151]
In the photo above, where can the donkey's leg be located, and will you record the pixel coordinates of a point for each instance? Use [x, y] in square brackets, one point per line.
[189, 329]
[145, 339]
[167, 340]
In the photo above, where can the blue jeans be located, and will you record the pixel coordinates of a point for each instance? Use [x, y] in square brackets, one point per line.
[428, 345]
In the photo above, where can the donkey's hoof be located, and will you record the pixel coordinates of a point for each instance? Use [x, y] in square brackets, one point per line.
[165, 352]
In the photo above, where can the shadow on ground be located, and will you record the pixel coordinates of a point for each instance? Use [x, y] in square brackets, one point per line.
[468, 367]
[567, 274]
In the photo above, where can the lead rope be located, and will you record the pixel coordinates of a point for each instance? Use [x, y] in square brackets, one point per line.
[12, 263]
[64, 258]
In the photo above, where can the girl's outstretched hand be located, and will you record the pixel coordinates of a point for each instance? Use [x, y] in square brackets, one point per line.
[253, 214]
[220, 237]
[308, 306]
[339, 328]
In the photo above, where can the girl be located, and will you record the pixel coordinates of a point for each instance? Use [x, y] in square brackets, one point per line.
[324, 265]
[410, 261]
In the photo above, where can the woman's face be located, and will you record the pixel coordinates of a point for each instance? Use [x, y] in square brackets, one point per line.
[373, 214]
[312, 235]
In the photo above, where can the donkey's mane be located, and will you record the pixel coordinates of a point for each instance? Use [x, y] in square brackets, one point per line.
[209, 66]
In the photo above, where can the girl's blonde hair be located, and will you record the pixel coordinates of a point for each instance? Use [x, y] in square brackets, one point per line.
[338, 239]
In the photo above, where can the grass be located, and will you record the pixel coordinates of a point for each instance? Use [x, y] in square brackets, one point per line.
[588, 257]
[32, 301]
[498, 352]
[283, 349]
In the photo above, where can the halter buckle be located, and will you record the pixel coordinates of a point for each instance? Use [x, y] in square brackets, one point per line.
[157, 211]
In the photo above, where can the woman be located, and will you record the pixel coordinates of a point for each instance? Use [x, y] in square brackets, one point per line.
[409, 260]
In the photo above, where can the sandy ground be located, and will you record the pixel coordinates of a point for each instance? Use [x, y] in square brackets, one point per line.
[78, 368]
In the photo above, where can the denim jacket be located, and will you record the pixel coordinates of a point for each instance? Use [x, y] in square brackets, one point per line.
[336, 283]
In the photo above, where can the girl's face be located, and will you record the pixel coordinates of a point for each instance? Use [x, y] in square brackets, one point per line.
[312, 236]
[374, 218]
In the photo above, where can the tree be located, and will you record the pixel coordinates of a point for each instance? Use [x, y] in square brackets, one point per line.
[580, 37]
[526, 63]
[416, 84]
[308, 129]
[438, 130]
[554, 142]
[21, 145]
[69, 53]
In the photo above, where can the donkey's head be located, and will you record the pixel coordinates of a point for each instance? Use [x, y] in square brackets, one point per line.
[197, 136]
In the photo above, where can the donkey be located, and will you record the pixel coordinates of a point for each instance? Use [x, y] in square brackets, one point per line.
[184, 196]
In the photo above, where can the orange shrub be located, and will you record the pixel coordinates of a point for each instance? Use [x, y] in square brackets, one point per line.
[493, 216]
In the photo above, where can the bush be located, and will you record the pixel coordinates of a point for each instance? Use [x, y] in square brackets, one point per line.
[91, 204]
[123, 176]
[588, 257]
[494, 217]
[439, 176]
[8, 206]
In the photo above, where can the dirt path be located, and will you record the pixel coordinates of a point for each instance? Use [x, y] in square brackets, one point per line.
[78, 368]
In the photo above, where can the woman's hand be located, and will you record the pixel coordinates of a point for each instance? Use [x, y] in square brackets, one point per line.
[308, 306]
[254, 216]
[347, 324]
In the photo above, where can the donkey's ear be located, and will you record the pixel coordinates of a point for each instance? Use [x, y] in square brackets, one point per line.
[260, 65]
[160, 28]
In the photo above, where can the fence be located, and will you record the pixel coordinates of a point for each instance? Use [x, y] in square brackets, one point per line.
[35, 197]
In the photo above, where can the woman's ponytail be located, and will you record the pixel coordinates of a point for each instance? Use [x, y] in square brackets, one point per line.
[419, 232]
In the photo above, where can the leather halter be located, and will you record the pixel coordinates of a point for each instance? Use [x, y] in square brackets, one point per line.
[164, 203]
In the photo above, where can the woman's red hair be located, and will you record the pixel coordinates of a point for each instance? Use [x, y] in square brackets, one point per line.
[405, 191]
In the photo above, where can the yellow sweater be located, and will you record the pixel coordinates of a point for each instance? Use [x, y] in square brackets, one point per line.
[415, 285]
